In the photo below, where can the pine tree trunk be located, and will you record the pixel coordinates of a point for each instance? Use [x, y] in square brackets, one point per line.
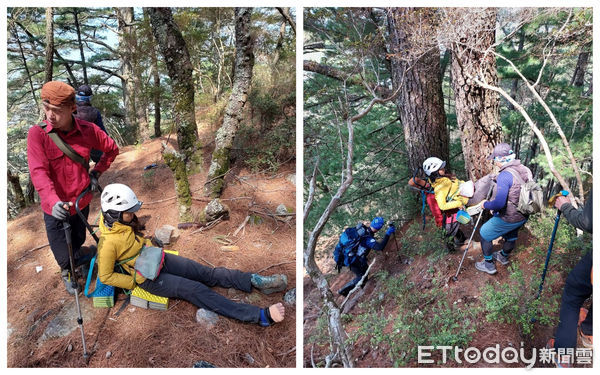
[156, 90]
[177, 60]
[30, 192]
[244, 62]
[580, 69]
[477, 109]
[420, 102]
[48, 66]
[176, 162]
[125, 20]
[78, 30]
[13, 181]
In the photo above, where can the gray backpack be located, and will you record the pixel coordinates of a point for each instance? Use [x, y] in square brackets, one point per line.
[531, 197]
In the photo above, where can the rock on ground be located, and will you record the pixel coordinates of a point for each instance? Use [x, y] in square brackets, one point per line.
[164, 234]
[65, 321]
[290, 297]
[215, 209]
[281, 209]
[206, 317]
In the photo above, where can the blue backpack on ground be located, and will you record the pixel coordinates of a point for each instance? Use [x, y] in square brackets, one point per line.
[346, 251]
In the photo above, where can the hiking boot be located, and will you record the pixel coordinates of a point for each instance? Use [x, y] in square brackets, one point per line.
[269, 284]
[586, 340]
[563, 361]
[68, 281]
[487, 267]
[85, 255]
[500, 258]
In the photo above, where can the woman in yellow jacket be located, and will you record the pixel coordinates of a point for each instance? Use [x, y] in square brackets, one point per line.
[446, 190]
[179, 277]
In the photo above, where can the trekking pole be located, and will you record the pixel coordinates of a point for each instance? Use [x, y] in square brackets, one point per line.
[563, 193]
[67, 228]
[455, 277]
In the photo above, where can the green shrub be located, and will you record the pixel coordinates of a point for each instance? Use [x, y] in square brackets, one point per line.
[514, 301]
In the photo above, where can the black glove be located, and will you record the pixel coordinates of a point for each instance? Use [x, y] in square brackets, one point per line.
[94, 175]
[338, 266]
[59, 212]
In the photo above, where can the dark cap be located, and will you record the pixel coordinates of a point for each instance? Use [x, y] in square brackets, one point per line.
[58, 93]
[501, 150]
[84, 90]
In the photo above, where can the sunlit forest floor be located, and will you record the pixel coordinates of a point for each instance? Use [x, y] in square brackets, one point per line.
[136, 337]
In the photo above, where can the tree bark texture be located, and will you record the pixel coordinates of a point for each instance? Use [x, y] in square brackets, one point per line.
[176, 163]
[580, 69]
[48, 66]
[420, 101]
[156, 90]
[78, 30]
[477, 109]
[125, 20]
[30, 192]
[244, 62]
[13, 181]
[179, 67]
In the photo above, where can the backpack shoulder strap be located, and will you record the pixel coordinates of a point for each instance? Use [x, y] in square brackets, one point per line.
[66, 148]
[516, 175]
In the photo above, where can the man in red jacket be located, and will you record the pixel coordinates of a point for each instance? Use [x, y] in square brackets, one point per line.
[58, 179]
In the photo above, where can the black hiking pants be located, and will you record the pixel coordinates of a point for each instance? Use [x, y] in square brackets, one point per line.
[359, 267]
[578, 288]
[189, 280]
[58, 242]
[454, 236]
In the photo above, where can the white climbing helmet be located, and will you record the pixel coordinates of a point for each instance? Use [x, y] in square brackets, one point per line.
[119, 197]
[433, 164]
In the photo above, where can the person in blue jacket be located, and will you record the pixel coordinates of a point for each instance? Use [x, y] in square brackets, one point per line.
[359, 264]
[506, 220]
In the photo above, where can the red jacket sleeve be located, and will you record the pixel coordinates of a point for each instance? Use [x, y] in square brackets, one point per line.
[39, 166]
[108, 146]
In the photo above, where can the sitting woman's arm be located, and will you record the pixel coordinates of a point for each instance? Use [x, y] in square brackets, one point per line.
[441, 191]
[107, 259]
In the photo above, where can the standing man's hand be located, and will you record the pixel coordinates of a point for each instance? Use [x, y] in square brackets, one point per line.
[60, 210]
[94, 175]
[558, 203]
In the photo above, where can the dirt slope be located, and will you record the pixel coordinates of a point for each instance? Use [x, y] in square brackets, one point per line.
[150, 338]
[466, 292]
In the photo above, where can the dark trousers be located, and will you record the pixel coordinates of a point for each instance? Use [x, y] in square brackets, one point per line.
[578, 288]
[359, 267]
[488, 247]
[58, 241]
[185, 279]
[95, 155]
[454, 234]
